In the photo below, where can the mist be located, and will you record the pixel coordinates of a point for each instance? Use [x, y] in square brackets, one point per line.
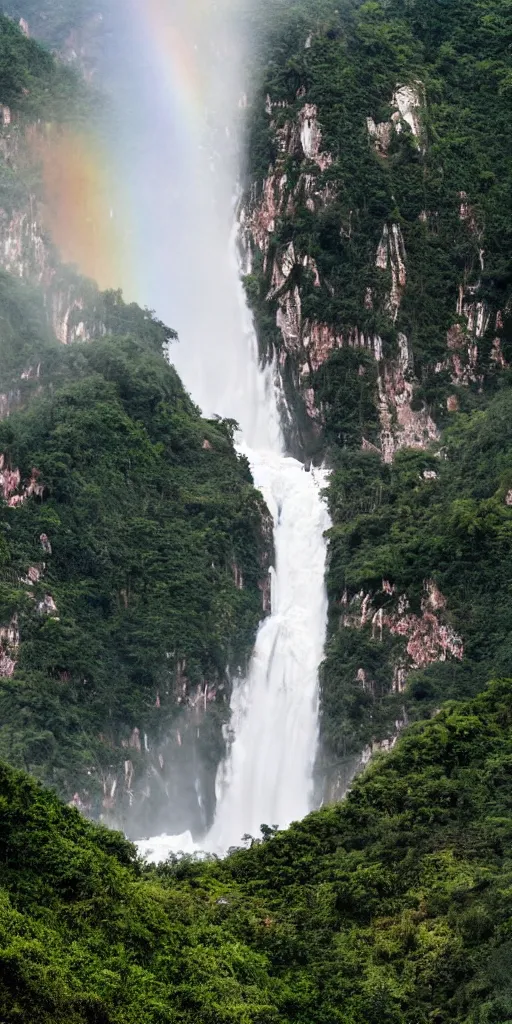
[174, 76]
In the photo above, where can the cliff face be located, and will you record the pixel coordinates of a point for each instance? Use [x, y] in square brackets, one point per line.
[376, 255]
[300, 281]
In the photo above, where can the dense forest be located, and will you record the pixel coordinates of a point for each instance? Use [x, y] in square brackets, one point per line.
[123, 571]
[393, 906]
[378, 231]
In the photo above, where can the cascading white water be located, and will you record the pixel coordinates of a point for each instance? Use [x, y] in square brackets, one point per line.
[267, 778]
[267, 775]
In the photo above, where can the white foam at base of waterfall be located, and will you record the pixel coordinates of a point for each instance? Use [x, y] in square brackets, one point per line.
[266, 777]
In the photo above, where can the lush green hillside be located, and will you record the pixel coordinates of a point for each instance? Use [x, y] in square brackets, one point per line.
[133, 548]
[143, 536]
[377, 220]
[442, 515]
[392, 907]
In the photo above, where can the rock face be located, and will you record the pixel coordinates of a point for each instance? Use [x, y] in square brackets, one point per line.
[402, 425]
[304, 344]
[407, 641]
[305, 177]
[13, 491]
[425, 637]
[406, 104]
[9, 646]
[371, 255]
[165, 782]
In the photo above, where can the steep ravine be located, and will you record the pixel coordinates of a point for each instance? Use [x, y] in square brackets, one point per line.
[162, 618]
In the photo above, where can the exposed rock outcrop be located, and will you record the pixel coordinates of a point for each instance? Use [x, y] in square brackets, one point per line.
[26, 249]
[402, 426]
[406, 104]
[391, 255]
[9, 647]
[48, 607]
[10, 483]
[307, 343]
[300, 137]
[311, 137]
[426, 637]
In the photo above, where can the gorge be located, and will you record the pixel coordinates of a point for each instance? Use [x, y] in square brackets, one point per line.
[255, 582]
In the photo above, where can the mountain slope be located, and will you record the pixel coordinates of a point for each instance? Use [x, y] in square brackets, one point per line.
[393, 906]
[378, 236]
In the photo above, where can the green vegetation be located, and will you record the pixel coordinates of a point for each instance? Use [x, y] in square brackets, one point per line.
[148, 511]
[441, 514]
[449, 191]
[130, 575]
[359, 53]
[122, 574]
[33, 83]
[394, 906]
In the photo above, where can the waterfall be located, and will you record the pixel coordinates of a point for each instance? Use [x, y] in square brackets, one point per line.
[266, 778]
[174, 84]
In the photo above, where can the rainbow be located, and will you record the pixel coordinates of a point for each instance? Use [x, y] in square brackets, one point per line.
[168, 32]
[91, 205]
[78, 183]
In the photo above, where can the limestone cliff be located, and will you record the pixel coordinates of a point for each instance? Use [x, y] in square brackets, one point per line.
[26, 249]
